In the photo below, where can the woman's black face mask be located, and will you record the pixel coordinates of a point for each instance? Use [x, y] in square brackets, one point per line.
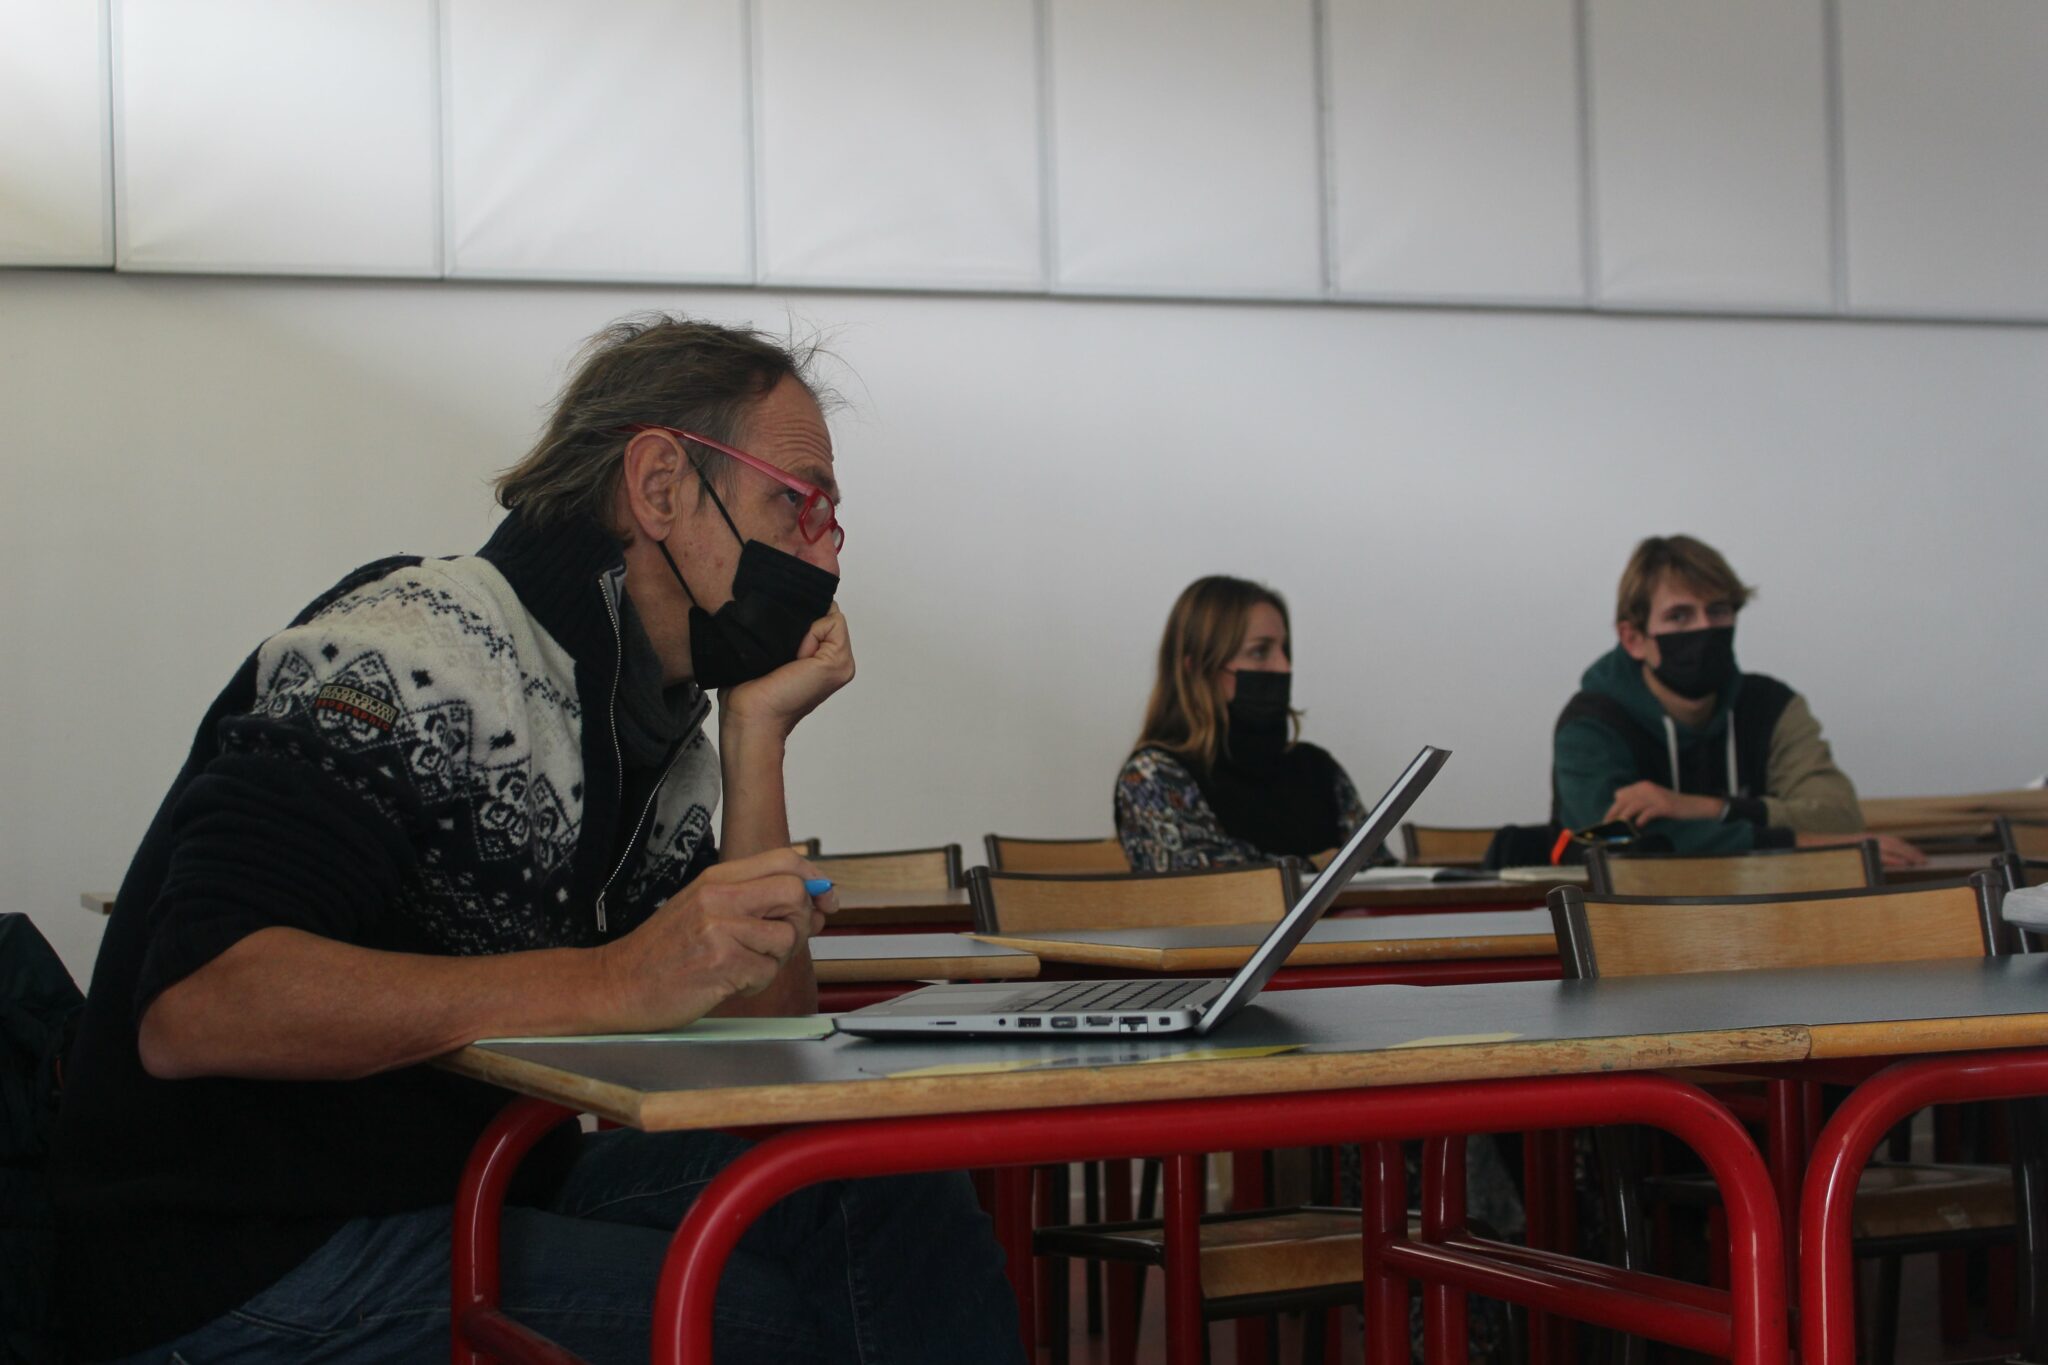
[1697, 663]
[776, 598]
[1259, 714]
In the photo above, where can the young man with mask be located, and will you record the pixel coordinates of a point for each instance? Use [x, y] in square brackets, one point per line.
[1670, 736]
[473, 797]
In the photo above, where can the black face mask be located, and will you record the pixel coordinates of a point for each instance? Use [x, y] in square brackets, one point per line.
[1697, 663]
[1259, 715]
[775, 599]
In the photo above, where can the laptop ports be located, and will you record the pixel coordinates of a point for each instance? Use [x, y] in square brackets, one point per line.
[1063, 1021]
[1026, 1021]
[1101, 1020]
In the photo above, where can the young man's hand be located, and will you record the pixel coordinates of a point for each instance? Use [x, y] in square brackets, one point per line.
[775, 702]
[1891, 850]
[726, 934]
[1641, 802]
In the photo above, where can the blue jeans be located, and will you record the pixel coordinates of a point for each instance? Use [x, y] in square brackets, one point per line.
[904, 1268]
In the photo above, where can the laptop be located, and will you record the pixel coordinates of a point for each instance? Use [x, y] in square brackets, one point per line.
[1152, 1006]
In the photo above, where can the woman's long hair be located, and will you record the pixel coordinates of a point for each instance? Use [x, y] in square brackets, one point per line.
[1186, 715]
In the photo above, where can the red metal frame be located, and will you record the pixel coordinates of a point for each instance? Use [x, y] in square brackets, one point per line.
[1748, 1322]
[473, 1313]
[1753, 1329]
[1827, 1319]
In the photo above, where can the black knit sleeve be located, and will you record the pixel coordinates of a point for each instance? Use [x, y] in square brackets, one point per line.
[279, 830]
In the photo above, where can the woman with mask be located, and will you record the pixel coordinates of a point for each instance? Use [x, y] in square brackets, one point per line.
[1219, 776]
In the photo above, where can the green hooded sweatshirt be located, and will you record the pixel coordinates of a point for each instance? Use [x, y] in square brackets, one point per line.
[1760, 750]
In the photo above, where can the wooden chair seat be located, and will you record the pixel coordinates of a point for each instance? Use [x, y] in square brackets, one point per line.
[1921, 1200]
[1267, 1251]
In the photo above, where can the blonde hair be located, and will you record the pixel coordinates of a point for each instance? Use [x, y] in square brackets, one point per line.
[1186, 714]
[1694, 562]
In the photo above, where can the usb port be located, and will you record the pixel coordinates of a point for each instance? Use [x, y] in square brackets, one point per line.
[1063, 1021]
[1132, 1019]
[1101, 1020]
[1026, 1021]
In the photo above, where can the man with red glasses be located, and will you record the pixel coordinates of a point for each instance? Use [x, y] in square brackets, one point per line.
[473, 797]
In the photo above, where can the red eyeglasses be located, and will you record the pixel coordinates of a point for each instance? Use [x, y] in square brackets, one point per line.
[816, 518]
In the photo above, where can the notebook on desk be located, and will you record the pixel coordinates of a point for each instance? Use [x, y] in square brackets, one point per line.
[1154, 1006]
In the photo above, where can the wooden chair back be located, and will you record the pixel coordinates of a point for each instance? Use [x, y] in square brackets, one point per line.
[1666, 935]
[1031, 902]
[807, 847]
[1444, 845]
[910, 869]
[1766, 872]
[2024, 838]
[1007, 854]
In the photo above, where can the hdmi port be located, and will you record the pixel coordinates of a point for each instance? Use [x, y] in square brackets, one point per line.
[1132, 1019]
[1101, 1019]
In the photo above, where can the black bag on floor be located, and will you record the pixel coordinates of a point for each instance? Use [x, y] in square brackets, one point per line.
[39, 1007]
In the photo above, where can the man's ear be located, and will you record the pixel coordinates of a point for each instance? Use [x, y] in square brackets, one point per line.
[651, 484]
[1634, 642]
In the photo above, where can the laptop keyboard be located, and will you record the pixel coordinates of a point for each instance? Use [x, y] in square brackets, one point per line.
[1113, 995]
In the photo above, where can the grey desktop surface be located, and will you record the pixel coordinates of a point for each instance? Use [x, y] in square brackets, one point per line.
[1380, 929]
[1365, 1019]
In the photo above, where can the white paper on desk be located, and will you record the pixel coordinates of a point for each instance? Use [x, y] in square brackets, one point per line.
[793, 1028]
[1395, 876]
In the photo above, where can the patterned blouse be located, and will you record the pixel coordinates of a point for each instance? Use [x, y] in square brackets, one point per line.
[1166, 824]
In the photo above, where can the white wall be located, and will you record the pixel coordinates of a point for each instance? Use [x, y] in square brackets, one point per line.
[1446, 497]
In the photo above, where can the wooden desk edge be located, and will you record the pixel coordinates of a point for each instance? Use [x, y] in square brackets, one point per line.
[1903, 1036]
[1310, 954]
[855, 970]
[1058, 1087]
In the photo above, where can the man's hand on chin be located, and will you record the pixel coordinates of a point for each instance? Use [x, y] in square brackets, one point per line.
[772, 704]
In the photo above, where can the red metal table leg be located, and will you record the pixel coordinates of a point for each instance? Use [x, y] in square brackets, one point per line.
[473, 1315]
[1383, 1193]
[1542, 1233]
[1185, 1332]
[1444, 1323]
[1785, 1151]
[1827, 1317]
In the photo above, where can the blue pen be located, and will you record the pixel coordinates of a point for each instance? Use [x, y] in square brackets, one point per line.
[817, 886]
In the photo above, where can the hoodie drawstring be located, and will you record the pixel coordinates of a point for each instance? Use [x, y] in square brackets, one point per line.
[1671, 748]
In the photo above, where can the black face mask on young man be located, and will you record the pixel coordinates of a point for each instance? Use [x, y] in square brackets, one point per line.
[1259, 714]
[775, 599]
[1697, 663]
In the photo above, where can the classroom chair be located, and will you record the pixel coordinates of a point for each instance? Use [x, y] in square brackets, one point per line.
[1444, 845]
[1028, 902]
[1252, 1262]
[1008, 854]
[2024, 839]
[1900, 1208]
[807, 847]
[1763, 872]
[911, 869]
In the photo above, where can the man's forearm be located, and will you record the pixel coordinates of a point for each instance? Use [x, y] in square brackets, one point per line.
[756, 819]
[284, 1004]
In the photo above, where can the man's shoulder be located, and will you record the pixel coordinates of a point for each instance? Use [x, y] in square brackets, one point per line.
[1764, 695]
